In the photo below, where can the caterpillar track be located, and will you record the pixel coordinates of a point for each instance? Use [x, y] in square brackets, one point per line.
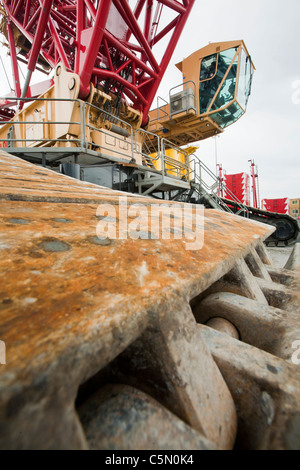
[110, 344]
[287, 229]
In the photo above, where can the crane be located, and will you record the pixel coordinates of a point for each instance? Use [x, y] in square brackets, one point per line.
[102, 42]
[130, 323]
[91, 117]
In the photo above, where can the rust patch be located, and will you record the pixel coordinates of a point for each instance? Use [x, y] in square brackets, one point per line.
[84, 271]
[74, 302]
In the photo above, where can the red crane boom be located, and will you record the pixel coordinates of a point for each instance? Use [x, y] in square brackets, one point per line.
[107, 43]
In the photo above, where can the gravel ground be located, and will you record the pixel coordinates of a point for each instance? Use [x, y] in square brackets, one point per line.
[280, 255]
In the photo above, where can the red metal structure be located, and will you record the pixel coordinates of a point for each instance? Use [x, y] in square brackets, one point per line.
[108, 43]
[255, 187]
[280, 206]
[221, 181]
[238, 184]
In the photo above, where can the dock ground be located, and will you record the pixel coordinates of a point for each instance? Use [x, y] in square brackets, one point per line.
[280, 254]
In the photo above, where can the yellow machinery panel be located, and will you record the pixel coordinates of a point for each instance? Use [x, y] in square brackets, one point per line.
[172, 156]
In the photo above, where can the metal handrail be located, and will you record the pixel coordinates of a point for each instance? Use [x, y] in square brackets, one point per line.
[182, 169]
[156, 148]
[17, 122]
[211, 188]
[166, 114]
[161, 108]
[183, 85]
[169, 165]
[83, 142]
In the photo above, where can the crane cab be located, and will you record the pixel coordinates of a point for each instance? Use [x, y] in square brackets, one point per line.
[215, 91]
[225, 75]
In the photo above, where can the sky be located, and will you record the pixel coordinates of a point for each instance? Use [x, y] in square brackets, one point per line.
[269, 132]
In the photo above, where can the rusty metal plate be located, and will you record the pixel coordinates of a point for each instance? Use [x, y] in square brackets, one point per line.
[69, 302]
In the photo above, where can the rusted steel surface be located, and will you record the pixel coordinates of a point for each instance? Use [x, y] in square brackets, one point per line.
[119, 416]
[266, 392]
[74, 307]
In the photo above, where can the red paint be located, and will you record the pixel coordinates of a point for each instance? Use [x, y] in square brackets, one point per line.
[255, 187]
[239, 185]
[14, 61]
[103, 41]
[281, 205]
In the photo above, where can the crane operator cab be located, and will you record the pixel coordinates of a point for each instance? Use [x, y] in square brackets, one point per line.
[214, 94]
[225, 85]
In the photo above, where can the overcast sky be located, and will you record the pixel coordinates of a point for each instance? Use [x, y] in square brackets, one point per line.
[269, 132]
